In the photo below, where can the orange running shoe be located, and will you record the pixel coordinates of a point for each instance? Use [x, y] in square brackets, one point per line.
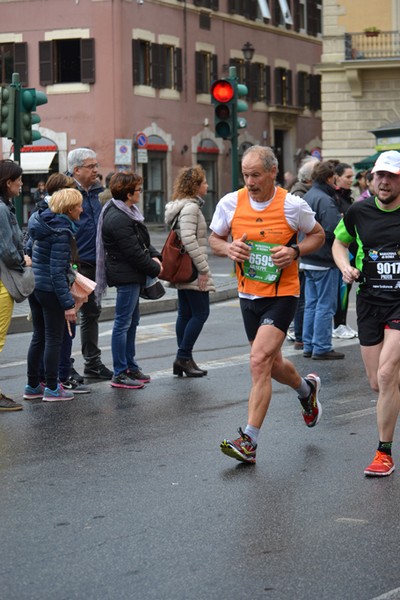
[381, 466]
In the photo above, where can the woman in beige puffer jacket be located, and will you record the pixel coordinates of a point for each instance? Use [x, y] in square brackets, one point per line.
[193, 297]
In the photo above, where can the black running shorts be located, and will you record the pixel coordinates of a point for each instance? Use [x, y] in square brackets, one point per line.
[278, 312]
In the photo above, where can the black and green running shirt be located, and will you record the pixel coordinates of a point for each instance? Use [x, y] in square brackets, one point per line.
[377, 234]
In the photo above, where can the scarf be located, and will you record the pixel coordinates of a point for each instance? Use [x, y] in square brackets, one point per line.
[101, 280]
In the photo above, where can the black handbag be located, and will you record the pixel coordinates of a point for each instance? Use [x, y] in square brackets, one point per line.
[154, 291]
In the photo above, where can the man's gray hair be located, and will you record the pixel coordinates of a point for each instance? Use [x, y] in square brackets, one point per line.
[77, 157]
[307, 167]
[265, 153]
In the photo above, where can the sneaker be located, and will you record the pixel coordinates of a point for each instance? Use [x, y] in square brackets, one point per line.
[331, 355]
[139, 375]
[343, 332]
[99, 372]
[33, 393]
[58, 395]
[349, 329]
[241, 449]
[298, 346]
[311, 407]
[381, 466]
[6, 404]
[74, 386]
[290, 335]
[75, 375]
[123, 380]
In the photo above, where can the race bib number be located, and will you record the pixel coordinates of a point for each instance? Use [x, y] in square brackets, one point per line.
[260, 266]
[383, 270]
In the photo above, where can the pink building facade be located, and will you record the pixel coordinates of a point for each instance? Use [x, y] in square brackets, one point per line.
[131, 79]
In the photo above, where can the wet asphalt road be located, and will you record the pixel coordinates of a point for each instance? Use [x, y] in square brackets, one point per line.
[125, 495]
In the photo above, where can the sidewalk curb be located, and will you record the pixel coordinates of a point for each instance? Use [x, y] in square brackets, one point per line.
[20, 323]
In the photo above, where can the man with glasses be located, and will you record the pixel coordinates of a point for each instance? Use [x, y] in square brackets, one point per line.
[83, 166]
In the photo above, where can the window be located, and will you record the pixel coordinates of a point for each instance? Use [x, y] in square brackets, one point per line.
[13, 59]
[259, 83]
[67, 61]
[157, 65]
[283, 87]
[309, 91]
[246, 8]
[206, 65]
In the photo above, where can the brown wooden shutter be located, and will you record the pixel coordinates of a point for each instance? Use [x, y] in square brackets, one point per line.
[157, 66]
[46, 71]
[178, 83]
[21, 62]
[88, 74]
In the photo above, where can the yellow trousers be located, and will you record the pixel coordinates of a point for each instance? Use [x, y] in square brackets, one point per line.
[6, 310]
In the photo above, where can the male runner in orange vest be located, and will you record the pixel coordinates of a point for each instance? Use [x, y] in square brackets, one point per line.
[263, 221]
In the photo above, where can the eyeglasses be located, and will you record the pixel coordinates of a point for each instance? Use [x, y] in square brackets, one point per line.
[138, 190]
[91, 167]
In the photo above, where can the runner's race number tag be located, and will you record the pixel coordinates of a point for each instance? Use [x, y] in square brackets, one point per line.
[260, 266]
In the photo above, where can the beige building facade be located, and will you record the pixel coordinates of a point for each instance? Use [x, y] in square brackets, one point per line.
[360, 70]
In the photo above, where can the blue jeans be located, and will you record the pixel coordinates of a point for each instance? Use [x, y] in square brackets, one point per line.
[321, 303]
[193, 312]
[123, 337]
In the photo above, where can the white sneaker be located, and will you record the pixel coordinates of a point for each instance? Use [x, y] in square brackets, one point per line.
[355, 333]
[342, 332]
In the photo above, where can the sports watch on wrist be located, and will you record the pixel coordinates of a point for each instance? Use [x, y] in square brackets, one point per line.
[296, 249]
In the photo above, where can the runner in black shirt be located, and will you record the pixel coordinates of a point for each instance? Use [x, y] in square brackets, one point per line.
[374, 225]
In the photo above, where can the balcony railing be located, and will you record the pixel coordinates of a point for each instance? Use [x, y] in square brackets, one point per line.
[368, 45]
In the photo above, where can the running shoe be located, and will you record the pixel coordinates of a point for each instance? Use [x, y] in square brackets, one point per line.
[123, 380]
[311, 407]
[6, 404]
[74, 386]
[58, 395]
[381, 466]
[139, 376]
[33, 393]
[343, 332]
[241, 449]
[98, 372]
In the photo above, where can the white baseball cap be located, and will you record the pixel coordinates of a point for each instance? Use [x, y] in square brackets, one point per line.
[388, 161]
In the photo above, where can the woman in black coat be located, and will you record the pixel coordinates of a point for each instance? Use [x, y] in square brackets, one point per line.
[125, 258]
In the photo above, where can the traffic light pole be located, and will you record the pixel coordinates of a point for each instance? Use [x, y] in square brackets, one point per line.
[17, 143]
[234, 138]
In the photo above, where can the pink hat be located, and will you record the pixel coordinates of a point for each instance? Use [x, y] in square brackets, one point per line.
[388, 161]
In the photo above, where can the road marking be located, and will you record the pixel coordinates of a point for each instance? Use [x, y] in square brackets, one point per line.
[356, 414]
[348, 520]
[392, 595]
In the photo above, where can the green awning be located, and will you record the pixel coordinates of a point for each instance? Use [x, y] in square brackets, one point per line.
[367, 162]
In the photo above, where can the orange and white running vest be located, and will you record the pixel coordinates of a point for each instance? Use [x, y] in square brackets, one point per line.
[266, 228]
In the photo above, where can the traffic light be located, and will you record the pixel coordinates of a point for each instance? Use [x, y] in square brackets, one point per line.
[29, 100]
[7, 111]
[223, 99]
[241, 105]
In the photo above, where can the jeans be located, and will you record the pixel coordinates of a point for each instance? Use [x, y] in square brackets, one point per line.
[123, 337]
[89, 323]
[65, 353]
[48, 320]
[193, 312]
[321, 303]
[299, 315]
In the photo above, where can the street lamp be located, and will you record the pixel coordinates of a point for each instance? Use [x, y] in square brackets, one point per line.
[248, 52]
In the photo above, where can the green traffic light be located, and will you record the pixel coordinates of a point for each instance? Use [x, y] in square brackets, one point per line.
[7, 109]
[30, 98]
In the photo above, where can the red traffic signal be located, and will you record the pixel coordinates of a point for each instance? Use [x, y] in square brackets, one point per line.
[223, 99]
[222, 91]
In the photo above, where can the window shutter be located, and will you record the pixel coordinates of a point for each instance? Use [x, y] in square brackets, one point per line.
[198, 64]
[296, 15]
[87, 61]
[46, 73]
[178, 69]
[136, 62]
[301, 89]
[289, 89]
[278, 86]
[157, 67]
[21, 62]
[315, 92]
[267, 71]
[214, 4]
[312, 17]
[254, 82]
[214, 67]
[231, 7]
